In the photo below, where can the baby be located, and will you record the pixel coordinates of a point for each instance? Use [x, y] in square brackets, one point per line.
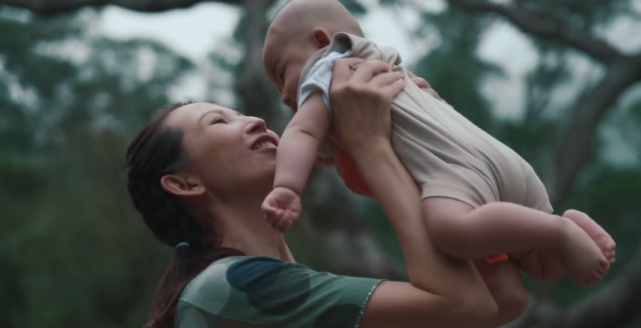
[479, 197]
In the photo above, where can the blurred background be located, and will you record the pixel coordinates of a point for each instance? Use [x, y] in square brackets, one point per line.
[556, 80]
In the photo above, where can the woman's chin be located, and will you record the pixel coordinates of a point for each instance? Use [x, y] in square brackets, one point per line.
[268, 173]
[268, 158]
[268, 152]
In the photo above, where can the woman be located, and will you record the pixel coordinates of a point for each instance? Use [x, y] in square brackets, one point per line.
[198, 174]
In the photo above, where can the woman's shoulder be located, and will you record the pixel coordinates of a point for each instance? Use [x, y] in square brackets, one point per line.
[232, 272]
[267, 291]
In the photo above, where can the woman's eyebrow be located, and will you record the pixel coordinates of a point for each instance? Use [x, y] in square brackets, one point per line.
[213, 111]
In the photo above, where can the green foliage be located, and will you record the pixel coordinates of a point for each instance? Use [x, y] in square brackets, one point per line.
[72, 250]
[74, 253]
[581, 14]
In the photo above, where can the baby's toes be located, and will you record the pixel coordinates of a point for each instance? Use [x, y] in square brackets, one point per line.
[610, 246]
[570, 213]
[611, 256]
[604, 265]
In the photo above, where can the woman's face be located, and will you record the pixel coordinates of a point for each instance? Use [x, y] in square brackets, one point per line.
[230, 154]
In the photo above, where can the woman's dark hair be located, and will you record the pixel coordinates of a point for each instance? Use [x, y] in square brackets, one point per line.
[157, 151]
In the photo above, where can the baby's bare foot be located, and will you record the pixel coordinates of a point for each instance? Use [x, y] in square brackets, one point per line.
[594, 230]
[581, 256]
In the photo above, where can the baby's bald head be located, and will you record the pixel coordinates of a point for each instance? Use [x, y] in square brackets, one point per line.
[301, 28]
[309, 22]
[298, 18]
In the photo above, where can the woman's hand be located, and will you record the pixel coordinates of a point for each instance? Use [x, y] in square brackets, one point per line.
[362, 101]
[421, 83]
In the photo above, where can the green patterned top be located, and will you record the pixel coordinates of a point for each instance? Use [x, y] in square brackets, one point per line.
[260, 292]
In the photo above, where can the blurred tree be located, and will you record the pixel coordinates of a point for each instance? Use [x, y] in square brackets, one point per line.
[57, 133]
[71, 246]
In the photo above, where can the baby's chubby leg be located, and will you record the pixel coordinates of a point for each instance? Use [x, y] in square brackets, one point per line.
[463, 231]
[495, 228]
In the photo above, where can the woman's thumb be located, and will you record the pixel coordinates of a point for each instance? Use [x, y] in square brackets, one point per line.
[342, 68]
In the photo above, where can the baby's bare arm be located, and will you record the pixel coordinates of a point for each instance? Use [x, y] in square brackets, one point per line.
[300, 142]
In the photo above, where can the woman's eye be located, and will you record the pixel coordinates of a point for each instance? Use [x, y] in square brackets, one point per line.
[217, 120]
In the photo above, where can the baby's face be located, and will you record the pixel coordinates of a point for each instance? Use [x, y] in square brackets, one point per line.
[283, 65]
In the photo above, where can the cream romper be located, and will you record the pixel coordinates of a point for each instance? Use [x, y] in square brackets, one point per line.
[444, 152]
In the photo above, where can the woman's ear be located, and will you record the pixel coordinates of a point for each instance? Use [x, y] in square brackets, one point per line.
[180, 185]
[321, 37]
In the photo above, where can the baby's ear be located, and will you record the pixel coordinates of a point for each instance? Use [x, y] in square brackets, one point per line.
[321, 37]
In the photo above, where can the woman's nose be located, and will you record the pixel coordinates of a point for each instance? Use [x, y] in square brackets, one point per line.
[255, 125]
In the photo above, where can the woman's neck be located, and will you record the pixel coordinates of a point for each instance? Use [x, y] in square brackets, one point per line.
[244, 228]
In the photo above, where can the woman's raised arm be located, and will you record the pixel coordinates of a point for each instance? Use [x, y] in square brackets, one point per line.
[443, 291]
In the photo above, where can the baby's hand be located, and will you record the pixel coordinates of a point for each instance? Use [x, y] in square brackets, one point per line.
[282, 206]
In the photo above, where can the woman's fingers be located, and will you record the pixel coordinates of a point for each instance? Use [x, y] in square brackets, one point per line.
[351, 61]
[385, 79]
[433, 93]
[421, 83]
[392, 90]
[390, 84]
[367, 70]
[343, 68]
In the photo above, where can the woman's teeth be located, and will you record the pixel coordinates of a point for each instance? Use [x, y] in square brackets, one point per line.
[265, 144]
